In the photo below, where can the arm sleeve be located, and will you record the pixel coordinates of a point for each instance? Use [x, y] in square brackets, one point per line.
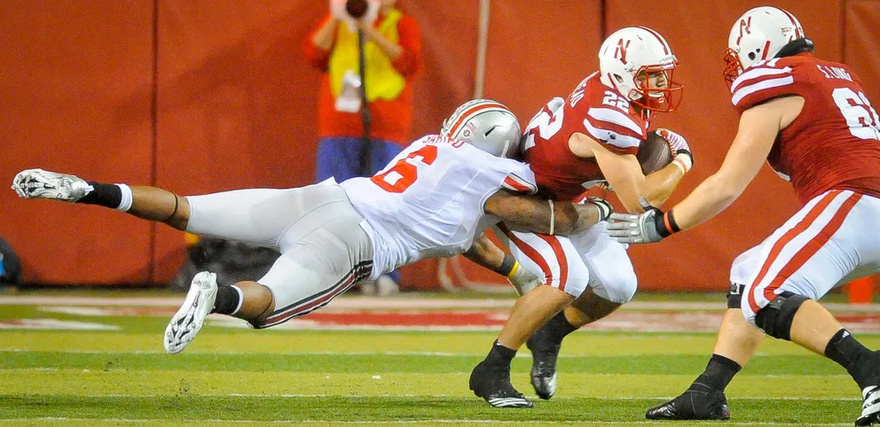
[763, 83]
[520, 181]
[314, 55]
[615, 130]
[410, 40]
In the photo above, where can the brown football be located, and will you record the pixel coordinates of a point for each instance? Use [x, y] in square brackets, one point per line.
[654, 153]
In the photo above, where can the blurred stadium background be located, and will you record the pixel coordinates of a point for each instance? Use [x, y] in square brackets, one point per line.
[209, 95]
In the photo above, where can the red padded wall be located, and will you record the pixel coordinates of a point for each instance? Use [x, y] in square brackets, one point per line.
[861, 44]
[236, 108]
[76, 91]
[235, 102]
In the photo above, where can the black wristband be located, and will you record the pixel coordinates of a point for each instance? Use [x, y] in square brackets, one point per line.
[685, 152]
[506, 265]
[672, 224]
[665, 223]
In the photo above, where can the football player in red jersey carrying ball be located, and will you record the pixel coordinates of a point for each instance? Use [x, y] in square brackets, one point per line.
[591, 137]
[811, 121]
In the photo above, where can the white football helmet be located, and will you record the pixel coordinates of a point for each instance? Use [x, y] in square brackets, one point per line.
[486, 124]
[629, 56]
[757, 35]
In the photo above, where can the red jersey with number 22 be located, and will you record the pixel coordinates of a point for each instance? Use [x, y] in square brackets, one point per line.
[592, 109]
[835, 141]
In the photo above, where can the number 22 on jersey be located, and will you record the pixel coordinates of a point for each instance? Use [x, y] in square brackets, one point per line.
[405, 172]
[546, 123]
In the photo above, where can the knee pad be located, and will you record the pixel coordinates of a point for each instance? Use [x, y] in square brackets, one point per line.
[775, 319]
[734, 295]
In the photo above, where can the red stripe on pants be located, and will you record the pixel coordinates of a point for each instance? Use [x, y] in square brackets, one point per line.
[529, 251]
[813, 246]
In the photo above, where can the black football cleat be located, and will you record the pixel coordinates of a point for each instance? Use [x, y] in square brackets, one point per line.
[692, 405]
[545, 351]
[492, 383]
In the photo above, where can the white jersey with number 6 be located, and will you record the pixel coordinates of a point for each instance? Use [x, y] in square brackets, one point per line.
[428, 201]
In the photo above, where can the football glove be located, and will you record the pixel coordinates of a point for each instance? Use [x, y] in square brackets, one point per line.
[681, 151]
[647, 227]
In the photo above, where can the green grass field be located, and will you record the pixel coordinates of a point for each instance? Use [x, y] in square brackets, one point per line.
[320, 377]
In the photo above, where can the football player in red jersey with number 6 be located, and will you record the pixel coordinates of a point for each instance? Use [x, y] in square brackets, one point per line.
[811, 121]
[589, 138]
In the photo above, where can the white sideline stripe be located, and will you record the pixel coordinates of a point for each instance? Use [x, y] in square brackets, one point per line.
[402, 422]
[374, 303]
[123, 370]
[523, 355]
[301, 353]
[372, 396]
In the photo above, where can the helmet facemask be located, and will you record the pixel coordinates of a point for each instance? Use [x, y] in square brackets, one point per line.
[663, 96]
[732, 67]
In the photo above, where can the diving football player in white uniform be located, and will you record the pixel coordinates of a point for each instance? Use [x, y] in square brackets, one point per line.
[432, 200]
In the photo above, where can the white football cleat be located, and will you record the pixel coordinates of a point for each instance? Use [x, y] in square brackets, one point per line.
[187, 322]
[40, 184]
[870, 407]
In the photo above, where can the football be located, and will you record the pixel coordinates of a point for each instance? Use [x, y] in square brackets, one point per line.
[654, 153]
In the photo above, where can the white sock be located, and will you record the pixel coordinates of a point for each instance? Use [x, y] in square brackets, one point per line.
[240, 300]
[127, 199]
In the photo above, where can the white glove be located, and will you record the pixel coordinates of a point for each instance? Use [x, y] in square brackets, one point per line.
[523, 281]
[647, 227]
[676, 141]
[630, 228]
[681, 151]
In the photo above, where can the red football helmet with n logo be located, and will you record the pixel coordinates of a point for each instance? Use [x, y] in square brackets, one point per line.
[639, 64]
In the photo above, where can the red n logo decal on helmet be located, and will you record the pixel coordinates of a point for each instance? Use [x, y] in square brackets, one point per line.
[620, 52]
[745, 27]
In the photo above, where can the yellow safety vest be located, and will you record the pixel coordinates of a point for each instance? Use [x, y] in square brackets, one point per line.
[382, 80]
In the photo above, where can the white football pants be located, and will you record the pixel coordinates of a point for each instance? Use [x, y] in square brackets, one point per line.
[589, 259]
[829, 242]
[324, 250]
